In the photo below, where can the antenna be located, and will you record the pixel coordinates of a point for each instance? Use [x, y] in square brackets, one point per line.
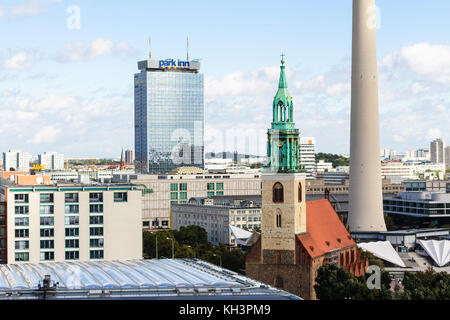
[150, 44]
[187, 47]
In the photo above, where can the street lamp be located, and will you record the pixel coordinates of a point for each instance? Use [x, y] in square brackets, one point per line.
[193, 249]
[173, 250]
[156, 240]
[220, 257]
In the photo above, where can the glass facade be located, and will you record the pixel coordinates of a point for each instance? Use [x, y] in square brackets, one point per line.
[169, 119]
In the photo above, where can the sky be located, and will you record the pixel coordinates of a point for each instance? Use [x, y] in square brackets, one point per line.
[67, 66]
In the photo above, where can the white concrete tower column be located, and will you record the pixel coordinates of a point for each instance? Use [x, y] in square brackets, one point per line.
[366, 200]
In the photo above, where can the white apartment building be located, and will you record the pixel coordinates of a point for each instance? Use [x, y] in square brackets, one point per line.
[76, 222]
[51, 161]
[16, 160]
[308, 153]
[447, 157]
[411, 170]
[322, 166]
[163, 191]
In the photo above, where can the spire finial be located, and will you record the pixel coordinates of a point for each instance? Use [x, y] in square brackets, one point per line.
[282, 58]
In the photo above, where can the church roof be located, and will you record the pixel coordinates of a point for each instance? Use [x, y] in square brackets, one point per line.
[325, 232]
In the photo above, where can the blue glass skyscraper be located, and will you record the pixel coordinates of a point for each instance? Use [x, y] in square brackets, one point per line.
[169, 115]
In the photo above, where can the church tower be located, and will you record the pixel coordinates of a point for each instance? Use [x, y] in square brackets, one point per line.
[283, 183]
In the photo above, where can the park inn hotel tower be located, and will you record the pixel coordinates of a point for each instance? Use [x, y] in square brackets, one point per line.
[169, 115]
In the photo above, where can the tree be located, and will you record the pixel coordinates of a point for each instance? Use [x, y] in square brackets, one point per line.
[191, 235]
[427, 285]
[164, 244]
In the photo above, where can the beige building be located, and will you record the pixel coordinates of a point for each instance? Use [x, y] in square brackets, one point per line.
[162, 191]
[72, 222]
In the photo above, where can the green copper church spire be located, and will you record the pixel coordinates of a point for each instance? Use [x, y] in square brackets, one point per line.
[283, 138]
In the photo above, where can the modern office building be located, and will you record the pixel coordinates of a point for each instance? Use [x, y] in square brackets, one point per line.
[421, 204]
[51, 161]
[437, 151]
[216, 216]
[308, 153]
[16, 160]
[74, 222]
[169, 115]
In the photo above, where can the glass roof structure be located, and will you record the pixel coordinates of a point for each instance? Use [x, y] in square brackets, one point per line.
[131, 279]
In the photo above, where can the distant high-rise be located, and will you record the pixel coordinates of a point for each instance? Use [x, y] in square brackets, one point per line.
[308, 153]
[437, 151]
[365, 202]
[51, 161]
[447, 157]
[129, 156]
[16, 160]
[169, 115]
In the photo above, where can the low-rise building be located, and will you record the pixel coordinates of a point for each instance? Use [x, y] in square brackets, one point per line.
[422, 204]
[72, 222]
[215, 216]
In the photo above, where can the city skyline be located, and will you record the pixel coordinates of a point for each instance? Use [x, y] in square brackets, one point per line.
[75, 84]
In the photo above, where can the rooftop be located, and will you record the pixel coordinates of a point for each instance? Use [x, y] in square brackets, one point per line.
[133, 279]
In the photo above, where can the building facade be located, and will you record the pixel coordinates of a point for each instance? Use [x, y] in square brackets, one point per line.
[51, 161]
[308, 153]
[437, 151]
[169, 115]
[216, 218]
[16, 160]
[51, 223]
[163, 191]
[129, 156]
[421, 204]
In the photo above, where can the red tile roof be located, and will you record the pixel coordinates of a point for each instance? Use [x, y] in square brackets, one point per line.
[324, 229]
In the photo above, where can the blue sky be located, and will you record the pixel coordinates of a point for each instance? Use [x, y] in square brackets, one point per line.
[72, 90]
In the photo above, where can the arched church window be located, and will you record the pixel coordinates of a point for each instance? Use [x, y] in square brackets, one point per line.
[300, 193]
[278, 193]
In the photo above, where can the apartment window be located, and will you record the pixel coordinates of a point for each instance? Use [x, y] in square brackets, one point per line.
[22, 209]
[173, 187]
[183, 186]
[96, 231]
[22, 222]
[47, 244]
[72, 221]
[95, 197]
[96, 208]
[210, 194]
[47, 233]
[71, 197]
[22, 256]
[21, 198]
[71, 209]
[72, 243]
[96, 220]
[72, 255]
[183, 195]
[46, 209]
[47, 256]
[173, 202]
[72, 232]
[219, 186]
[219, 193]
[146, 224]
[22, 233]
[46, 197]
[120, 197]
[47, 221]
[96, 243]
[165, 223]
[22, 245]
[96, 254]
[173, 195]
[210, 186]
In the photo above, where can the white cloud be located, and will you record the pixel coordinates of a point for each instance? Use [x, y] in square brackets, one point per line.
[31, 7]
[85, 51]
[47, 134]
[434, 133]
[2, 12]
[19, 61]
